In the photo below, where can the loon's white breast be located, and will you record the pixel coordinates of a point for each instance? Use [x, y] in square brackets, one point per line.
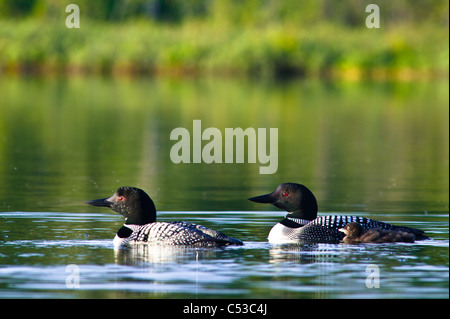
[287, 231]
[118, 242]
[280, 234]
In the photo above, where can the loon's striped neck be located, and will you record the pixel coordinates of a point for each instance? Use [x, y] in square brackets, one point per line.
[293, 222]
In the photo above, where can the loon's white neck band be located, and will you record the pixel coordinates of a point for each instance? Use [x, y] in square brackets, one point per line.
[299, 221]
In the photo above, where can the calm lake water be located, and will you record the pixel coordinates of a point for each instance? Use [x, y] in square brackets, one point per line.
[378, 150]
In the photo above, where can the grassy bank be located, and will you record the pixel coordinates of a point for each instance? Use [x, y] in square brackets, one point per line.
[206, 48]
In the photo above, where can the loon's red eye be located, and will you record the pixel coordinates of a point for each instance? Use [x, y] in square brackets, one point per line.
[285, 194]
[121, 198]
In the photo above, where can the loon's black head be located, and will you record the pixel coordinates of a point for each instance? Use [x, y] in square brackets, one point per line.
[294, 198]
[352, 230]
[131, 202]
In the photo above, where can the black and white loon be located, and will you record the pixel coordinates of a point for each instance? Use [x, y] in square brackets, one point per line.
[301, 224]
[141, 226]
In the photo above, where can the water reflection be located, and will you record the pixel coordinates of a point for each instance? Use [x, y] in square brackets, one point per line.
[138, 254]
[306, 253]
[83, 137]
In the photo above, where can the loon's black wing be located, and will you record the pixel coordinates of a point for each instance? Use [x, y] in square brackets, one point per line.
[218, 236]
[326, 228]
[179, 233]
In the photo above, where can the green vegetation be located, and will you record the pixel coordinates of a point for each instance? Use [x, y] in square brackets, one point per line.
[261, 38]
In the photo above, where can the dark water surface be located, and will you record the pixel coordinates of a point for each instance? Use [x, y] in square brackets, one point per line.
[378, 150]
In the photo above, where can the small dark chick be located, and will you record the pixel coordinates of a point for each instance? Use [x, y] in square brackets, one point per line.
[356, 234]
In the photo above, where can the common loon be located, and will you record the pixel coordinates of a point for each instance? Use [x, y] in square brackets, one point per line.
[141, 226]
[301, 224]
[355, 234]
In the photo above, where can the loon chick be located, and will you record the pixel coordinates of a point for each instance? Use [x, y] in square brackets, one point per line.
[355, 234]
[141, 226]
[301, 224]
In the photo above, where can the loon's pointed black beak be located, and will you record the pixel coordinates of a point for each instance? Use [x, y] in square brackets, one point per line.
[268, 198]
[102, 202]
